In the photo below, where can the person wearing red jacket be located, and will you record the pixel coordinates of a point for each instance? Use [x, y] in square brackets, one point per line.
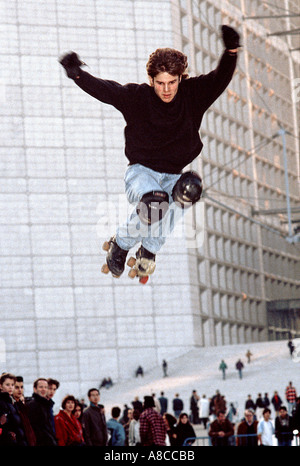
[68, 429]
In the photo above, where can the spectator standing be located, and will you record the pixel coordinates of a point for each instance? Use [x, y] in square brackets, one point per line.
[156, 403]
[266, 400]
[184, 430]
[39, 410]
[247, 427]
[177, 405]
[116, 429]
[163, 403]
[220, 430]
[78, 411]
[93, 421]
[204, 410]
[53, 385]
[240, 366]
[194, 407]
[249, 404]
[283, 428]
[290, 395]
[134, 438]
[12, 428]
[259, 407]
[265, 429]
[126, 425]
[153, 429]
[223, 367]
[68, 429]
[19, 403]
[137, 404]
[276, 402]
[171, 422]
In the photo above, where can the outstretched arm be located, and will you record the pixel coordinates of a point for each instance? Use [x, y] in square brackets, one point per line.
[106, 91]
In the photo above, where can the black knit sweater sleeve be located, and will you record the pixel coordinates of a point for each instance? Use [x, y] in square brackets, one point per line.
[107, 91]
[208, 87]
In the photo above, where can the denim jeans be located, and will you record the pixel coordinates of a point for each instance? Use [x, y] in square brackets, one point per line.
[140, 180]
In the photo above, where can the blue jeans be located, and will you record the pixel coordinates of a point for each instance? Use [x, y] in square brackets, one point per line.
[140, 180]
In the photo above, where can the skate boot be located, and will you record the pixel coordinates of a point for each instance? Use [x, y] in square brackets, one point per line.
[115, 259]
[142, 265]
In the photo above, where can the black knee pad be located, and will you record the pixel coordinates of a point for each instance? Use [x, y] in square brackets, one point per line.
[188, 189]
[153, 207]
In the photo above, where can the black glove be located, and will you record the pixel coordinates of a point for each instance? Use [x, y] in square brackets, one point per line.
[230, 38]
[71, 64]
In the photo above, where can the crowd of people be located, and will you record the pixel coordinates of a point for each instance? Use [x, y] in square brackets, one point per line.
[31, 421]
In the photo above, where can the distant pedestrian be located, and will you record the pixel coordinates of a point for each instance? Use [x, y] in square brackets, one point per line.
[165, 367]
[259, 407]
[204, 410]
[248, 356]
[276, 402]
[290, 395]
[194, 407]
[223, 367]
[139, 371]
[249, 404]
[240, 366]
[177, 405]
[163, 403]
[265, 429]
[266, 400]
[291, 347]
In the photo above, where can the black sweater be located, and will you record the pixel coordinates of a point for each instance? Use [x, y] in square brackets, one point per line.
[163, 136]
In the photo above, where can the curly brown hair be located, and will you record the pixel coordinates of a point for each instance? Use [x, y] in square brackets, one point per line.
[167, 60]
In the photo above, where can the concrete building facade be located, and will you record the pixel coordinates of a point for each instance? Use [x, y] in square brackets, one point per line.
[62, 165]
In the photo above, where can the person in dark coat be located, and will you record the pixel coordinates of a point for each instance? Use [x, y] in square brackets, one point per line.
[276, 402]
[184, 430]
[177, 405]
[239, 367]
[163, 403]
[40, 414]
[220, 430]
[19, 403]
[93, 421]
[12, 432]
[284, 428]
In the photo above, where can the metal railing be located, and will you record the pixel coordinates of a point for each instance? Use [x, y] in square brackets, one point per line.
[206, 441]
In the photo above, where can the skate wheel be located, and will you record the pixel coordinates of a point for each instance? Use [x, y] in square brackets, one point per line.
[105, 269]
[143, 280]
[131, 262]
[132, 273]
[105, 246]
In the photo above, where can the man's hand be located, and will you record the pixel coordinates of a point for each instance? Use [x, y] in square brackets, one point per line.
[71, 64]
[230, 38]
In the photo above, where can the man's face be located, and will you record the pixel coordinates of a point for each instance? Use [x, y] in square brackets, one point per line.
[94, 397]
[51, 390]
[221, 418]
[42, 388]
[165, 86]
[18, 391]
[282, 413]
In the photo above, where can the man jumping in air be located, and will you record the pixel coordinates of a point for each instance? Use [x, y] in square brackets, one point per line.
[161, 139]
